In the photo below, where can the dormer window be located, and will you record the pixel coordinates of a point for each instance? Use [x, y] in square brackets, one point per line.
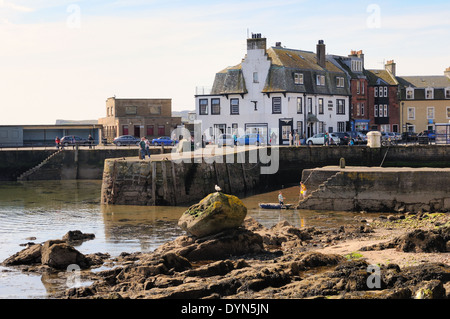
[409, 93]
[340, 82]
[298, 78]
[429, 93]
[320, 80]
[447, 93]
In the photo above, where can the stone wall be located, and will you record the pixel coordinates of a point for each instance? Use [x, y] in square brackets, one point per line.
[134, 182]
[378, 189]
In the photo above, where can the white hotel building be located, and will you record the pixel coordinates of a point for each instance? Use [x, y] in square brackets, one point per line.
[274, 91]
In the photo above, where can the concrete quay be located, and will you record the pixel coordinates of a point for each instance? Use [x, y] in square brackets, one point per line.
[377, 189]
[168, 180]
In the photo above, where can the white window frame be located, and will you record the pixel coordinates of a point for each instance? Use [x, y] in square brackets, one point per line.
[385, 110]
[320, 80]
[385, 91]
[362, 109]
[375, 108]
[429, 93]
[410, 94]
[255, 77]
[340, 82]
[409, 109]
[298, 78]
[448, 112]
[376, 91]
[447, 93]
[432, 115]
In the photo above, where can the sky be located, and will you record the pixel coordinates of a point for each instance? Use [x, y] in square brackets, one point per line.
[62, 59]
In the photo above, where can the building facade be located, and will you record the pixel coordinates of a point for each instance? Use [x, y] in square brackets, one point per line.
[383, 106]
[276, 91]
[353, 65]
[138, 117]
[424, 101]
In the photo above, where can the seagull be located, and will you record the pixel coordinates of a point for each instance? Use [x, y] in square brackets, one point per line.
[218, 189]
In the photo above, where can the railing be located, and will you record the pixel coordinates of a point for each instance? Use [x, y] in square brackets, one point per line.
[203, 90]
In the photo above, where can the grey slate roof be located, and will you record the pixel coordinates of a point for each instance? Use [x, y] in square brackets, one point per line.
[284, 63]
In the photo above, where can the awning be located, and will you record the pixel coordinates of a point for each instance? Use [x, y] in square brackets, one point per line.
[311, 118]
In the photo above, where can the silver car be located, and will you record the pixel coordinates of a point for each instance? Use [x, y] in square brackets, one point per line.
[319, 139]
[225, 140]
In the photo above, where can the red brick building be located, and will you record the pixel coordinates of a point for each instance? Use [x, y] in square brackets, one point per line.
[383, 105]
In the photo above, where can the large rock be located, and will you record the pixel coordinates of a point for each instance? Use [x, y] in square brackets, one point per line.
[58, 254]
[213, 214]
[28, 256]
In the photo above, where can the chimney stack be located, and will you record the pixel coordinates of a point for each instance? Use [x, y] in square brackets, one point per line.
[390, 66]
[256, 42]
[447, 72]
[321, 54]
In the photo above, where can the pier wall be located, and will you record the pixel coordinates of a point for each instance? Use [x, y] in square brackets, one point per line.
[165, 182]
[377, 189]
[170, 183]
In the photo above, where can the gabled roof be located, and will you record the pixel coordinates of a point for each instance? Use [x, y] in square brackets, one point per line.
[298, 59]
[280, 79]
[381, 77]
[434, 81]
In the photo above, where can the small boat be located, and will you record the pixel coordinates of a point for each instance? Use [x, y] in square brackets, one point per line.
[275, 206]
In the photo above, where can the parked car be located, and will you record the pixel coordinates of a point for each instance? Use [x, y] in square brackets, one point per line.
[430, 133]
[357, 137]
[249, 139]
[225, 140]
[73, 140]
[126, 140]
[409, 136]
[343, 137]
[319, 139]
[163, 140]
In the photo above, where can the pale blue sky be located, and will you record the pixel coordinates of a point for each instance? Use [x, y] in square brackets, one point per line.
[62, 59]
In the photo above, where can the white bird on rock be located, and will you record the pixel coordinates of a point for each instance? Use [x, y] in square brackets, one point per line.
[218, 189]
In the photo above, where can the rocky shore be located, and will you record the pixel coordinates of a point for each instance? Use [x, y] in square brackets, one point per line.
[402, 256]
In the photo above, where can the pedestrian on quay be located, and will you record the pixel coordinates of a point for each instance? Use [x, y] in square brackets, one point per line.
[297, 139]
[57, 142]
[142, 150]
[90, 141]
[290, 138]
[147, 147]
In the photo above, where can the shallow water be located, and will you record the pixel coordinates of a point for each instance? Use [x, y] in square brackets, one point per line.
[37, 211]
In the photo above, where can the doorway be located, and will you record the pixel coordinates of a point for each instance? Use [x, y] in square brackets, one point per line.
[285, 127]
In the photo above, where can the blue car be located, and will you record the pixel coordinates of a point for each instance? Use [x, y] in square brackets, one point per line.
[163, 140]
[249, 139]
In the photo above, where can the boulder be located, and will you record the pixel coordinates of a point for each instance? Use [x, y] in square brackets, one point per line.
[58, 254]
[213, 214]
[77, 236]
[28, 256]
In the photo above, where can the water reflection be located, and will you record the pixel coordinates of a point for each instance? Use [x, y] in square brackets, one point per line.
[149, 226]
[49, 209]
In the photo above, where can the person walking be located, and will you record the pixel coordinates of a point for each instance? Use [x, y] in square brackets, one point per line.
[297, 139]
[290, 138]
[91, 141]
[142, 150]
[326, 139]
[57, 142]
[147, 147]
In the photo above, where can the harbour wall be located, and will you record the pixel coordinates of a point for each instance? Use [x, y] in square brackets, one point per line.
[127, 181]
[66, 165]
[376, 189]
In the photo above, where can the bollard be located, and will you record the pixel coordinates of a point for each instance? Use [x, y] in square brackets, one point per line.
[342, 162]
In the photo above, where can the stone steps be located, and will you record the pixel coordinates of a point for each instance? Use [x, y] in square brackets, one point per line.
[25, 176]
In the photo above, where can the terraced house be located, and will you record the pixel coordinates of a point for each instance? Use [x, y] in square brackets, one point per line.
[275, 91]
[424, 101]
